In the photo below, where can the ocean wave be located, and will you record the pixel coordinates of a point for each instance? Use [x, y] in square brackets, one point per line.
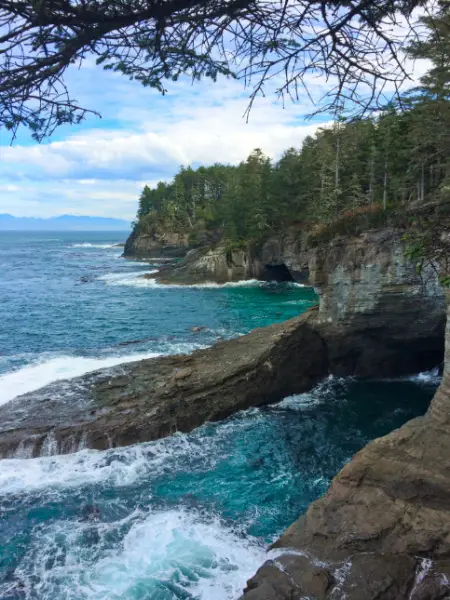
[90, 245]
[126, 278]
[197, 553]
[47, 370]
[320, 394]
[172, 553]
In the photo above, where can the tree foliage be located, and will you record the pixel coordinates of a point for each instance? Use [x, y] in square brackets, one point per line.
[397, 161]
[353, 45]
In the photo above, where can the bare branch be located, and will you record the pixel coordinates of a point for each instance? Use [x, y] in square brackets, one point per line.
[155, 41]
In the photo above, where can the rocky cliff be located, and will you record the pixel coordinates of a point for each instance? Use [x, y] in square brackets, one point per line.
[141, 245]
[279, 258]
[382, 531]
[373, 301]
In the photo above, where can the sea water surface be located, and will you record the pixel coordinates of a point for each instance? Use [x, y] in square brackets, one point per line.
[187, 517]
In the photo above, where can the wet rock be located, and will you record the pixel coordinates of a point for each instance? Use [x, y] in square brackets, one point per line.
[365, 577]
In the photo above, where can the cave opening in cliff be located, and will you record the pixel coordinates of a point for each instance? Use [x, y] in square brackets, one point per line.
[277, 273]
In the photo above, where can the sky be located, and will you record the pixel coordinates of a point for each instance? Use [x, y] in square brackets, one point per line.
[99, 167]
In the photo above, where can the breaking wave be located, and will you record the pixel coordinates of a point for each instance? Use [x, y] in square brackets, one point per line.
[46, 370]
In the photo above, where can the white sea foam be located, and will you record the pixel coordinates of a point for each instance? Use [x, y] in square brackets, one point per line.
[47, 370]
[129, 278]
[323, 392]
[427, 377]
[137, 280]
[168, 553]
[203, 558]
[89, 245]
[180, 547]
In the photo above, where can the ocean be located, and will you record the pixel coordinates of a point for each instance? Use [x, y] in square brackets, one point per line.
[187, 517]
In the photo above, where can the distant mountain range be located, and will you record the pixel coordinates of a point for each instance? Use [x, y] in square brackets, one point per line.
[62, 223]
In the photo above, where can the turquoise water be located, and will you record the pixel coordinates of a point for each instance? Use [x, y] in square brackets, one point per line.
[185, 517]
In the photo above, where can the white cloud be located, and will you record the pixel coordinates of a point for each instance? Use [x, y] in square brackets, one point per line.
[101, 171]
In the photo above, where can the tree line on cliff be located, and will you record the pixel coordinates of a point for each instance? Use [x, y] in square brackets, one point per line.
[398, 159]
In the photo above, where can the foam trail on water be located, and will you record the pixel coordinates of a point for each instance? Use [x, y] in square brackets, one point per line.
[427, 377]
[177, 552]
[164, 554]
[126, 278]
[116, 467]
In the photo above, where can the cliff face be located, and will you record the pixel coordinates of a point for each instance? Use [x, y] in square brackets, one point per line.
[280, 258]
[378, 315]
[373, 299]
[382, 531]
[168, 244]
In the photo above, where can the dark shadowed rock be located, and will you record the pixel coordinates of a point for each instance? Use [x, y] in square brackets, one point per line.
[375, 307]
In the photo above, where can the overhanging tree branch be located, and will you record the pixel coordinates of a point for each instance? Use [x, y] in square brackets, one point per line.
[152, 41]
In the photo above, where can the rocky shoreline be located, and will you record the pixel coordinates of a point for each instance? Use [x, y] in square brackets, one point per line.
[383, 529]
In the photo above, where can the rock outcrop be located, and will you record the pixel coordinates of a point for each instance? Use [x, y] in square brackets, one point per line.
[216, 264]
[154, 398]
[382, 531]
[280, 258]
[140, 245]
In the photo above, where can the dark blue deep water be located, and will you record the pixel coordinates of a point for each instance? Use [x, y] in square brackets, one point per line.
[187, 517]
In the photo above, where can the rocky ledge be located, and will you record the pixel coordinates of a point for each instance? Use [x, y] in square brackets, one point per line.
[153, 398]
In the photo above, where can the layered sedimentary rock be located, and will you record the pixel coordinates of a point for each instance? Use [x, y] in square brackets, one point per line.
[279, 258]
[154, 398]
[382, 531]
[142, 245]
